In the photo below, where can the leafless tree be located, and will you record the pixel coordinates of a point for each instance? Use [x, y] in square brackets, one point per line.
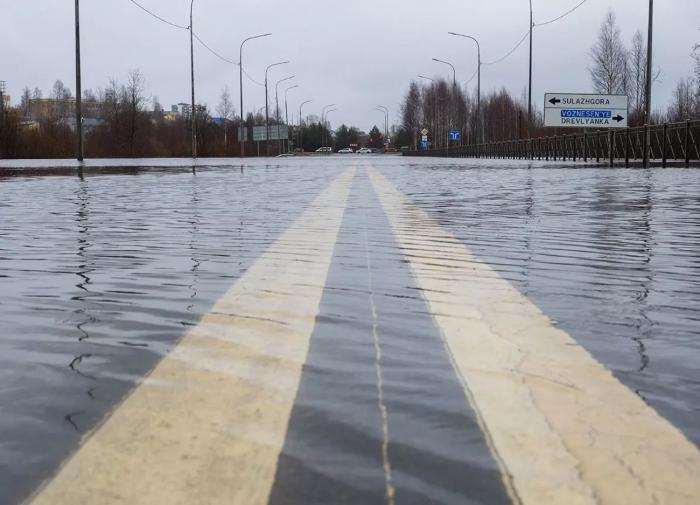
[134, 93]
[411, 112]
[226, 111]
[610, 63]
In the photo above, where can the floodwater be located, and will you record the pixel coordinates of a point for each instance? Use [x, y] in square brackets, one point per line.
[101, 275]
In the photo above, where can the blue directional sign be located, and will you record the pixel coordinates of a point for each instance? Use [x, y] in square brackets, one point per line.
[455, 135]
[424, 144]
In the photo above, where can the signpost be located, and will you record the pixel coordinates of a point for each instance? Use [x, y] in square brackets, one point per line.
[455, 135]
[581, 110]
[276, 133]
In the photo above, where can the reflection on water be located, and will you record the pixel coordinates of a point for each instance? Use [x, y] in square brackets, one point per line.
[611, 255]
[101, 274]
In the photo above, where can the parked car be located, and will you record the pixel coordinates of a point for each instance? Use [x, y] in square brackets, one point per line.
[364, 150]
[347, 150]
[324, 150]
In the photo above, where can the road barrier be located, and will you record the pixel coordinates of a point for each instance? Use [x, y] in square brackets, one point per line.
[669, 143]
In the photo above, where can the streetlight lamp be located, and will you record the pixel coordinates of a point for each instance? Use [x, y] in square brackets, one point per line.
[325, 120]
[78, 85]
[301, 134]
[286, 111]
[385, 110]
[454, 72]
[277, 110]
[240, 68]
[426, 78]
[478, 81]
[267, 110]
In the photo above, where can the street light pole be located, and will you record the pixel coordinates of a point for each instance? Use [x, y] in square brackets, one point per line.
[78, 85]
[426, 78]
[529, 86]
[277, 110]
[267, 109]
[240, 68]
[647, 105]
[323, 122]
[385, 110]
[454, 72]
[194, 109]
[286, 111]
[478, 81]
[301, 134]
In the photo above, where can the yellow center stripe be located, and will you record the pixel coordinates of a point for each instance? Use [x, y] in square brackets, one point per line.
[207, 426]
[564, 430]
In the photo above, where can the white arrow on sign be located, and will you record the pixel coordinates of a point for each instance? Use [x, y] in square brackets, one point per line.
[582, 110]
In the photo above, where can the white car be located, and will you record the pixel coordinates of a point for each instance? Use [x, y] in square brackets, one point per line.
[347, 150]
[364, 150]
[324, 150]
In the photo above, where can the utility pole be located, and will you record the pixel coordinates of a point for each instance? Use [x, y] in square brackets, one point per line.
[240, 68]
[194, 110]
[78, 86]
[2, 104]
[647, 105]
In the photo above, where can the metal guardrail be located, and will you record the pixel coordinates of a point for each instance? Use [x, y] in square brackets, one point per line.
[669, 142]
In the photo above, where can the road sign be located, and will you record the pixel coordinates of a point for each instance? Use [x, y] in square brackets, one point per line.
[424, 138]
[455, 135]
[260, 133]
[424, 144]
[424, 132]
[581, 110]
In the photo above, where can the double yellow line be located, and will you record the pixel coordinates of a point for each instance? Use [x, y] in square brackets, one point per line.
[208, 424]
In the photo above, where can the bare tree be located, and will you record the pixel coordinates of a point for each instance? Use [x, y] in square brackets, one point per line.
[410, 112]
[26, 98]
[609, 69]
[134, 93]
[226, 111]
[682, 103]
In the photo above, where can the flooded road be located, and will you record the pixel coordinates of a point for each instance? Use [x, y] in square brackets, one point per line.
[102, 277]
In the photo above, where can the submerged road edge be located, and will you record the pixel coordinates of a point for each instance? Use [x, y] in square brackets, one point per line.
[564, 429]
[208, 424]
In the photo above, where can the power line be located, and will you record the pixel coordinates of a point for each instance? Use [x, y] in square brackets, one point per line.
[158, 17]
[472, 77]
[562, 16]
[509, 52]
[528, 33]
[199, 39]
[214, 52]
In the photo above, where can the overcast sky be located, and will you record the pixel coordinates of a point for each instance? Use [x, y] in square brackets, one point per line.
[356, 54]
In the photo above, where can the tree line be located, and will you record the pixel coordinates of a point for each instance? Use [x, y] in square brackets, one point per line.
[121, 120]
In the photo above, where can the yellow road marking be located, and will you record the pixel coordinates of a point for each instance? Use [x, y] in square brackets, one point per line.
[563, 428]
[207, 426]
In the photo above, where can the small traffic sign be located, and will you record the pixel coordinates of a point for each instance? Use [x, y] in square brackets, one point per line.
[424, 132]
[424, 144]
[455, 135]
[581, 110]
[424, 138]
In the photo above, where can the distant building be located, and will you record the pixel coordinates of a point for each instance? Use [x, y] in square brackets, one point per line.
[6, 101]
[52, 108]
